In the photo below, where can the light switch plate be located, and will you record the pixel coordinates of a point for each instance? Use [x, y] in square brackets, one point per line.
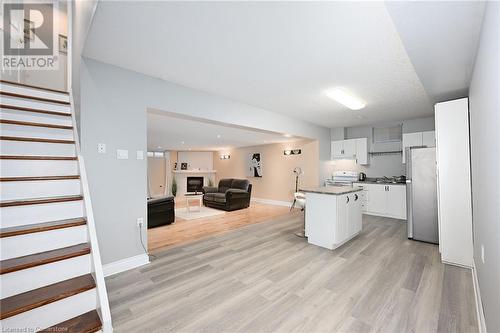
[101, 148]
[140, 155]
[122, 154]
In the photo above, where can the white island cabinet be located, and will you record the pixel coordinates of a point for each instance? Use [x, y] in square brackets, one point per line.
[333, 215]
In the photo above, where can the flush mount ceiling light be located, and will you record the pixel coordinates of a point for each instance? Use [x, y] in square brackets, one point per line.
[345, 98]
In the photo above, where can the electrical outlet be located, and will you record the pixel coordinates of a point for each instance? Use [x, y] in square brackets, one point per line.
[140, 222]
[101, 148]
[482, 253]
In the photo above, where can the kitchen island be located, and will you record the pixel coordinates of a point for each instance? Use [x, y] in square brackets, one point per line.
[333, 215]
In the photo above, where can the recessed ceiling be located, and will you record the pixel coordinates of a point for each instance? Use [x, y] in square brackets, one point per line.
[170, 132]
[280, 56]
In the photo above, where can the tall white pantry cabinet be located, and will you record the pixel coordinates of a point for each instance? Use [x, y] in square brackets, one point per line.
[454, 182]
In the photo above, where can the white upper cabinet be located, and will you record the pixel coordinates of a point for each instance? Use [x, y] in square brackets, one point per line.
[352, 149]
[337, 149]
[362, 151]
[429, 139]
[418, 139]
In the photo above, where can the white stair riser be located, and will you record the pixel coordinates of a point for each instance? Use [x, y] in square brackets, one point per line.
[33, 104]
[36, 148]
[51, 314]
[22, 245]
[29, 214]
[36, 132]
[33, 92]
[35, 117]
[36, 277]
[19, 168]
[34, 189]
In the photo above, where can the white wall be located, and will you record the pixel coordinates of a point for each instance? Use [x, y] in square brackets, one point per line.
[196, 159]
[484, 104]
[113, 111]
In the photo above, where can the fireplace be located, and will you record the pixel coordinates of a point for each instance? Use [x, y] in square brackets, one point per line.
[194, 184]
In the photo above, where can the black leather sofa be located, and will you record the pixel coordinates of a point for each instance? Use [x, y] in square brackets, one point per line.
[160, 212]
[231, 194]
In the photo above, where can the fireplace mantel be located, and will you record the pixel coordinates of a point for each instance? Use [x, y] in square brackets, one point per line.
[194, 171]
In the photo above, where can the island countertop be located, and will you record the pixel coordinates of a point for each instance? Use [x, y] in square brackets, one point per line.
[332, 190]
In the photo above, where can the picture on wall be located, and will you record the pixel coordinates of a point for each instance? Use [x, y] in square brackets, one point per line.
[254, 165]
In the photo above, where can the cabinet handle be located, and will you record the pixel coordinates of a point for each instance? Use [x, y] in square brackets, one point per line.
[347, 200]
[355, 197]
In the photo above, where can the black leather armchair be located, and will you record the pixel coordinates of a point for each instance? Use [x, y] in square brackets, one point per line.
[160, 212]
[231, 194]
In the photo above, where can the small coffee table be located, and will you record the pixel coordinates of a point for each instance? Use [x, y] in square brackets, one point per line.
[193, 196]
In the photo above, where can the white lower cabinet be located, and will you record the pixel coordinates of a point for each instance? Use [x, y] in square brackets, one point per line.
[384, 200]
[348, 216]
[332, 220]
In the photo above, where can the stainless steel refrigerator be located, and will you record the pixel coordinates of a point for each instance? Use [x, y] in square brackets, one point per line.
[421, 194]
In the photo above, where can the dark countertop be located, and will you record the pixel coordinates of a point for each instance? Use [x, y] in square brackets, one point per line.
[374, 181]
[332, 190]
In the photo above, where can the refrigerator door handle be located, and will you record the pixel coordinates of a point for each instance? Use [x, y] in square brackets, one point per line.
[409, 209]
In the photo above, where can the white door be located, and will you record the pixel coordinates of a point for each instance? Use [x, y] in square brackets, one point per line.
[376, 199]
[411, 140]
[429, 139]
[350, 149]
[342, 216]
[337, 149]
[396, 201]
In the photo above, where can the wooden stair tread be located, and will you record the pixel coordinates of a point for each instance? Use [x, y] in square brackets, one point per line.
[41, 99]
[86, 323]
[32, 299]
[38, 201]
[21, 179]
[21, 138]
[22, 108]
[40, 227]
[34, 124]
[36, 157]
[42, 258]
[34, 87]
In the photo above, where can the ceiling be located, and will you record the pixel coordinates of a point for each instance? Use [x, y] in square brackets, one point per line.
[173, 132]
[282, 56]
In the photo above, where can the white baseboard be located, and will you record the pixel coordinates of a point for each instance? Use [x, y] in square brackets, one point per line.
[125, 264]
[272, 202]
[479, 302]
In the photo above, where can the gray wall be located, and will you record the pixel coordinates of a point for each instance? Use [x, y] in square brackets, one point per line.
[384, 165]
[113, 111]
[485, 156]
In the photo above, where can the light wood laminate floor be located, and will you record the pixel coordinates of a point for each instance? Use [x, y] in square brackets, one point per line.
[262, 278]
[184, 231]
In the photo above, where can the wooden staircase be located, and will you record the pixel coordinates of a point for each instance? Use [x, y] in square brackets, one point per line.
[50, 270]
